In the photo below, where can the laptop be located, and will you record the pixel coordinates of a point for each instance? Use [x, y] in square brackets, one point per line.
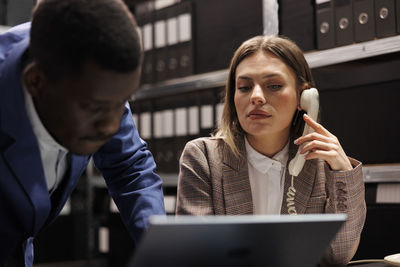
[249, 240]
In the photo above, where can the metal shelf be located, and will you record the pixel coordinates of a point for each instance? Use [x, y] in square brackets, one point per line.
[353, 52]
[384, 173]
[315, 59]
[180, 85]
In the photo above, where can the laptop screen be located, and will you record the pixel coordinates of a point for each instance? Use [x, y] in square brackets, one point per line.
[254, 240]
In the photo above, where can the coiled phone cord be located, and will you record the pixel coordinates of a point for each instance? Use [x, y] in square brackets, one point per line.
[290, 199]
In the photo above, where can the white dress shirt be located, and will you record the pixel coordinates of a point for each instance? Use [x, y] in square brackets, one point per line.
[267, 179]
[53, 155]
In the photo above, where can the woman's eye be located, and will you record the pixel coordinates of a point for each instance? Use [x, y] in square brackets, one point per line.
[244, 88]
[275, 87]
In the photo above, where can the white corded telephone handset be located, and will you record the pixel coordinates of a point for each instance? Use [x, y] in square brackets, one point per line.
[309, 102]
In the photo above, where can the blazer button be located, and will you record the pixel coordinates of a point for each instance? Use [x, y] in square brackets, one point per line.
[340, 192]
[340, 185]
[341, 207]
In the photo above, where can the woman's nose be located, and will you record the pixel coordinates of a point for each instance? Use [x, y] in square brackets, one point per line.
[257, 96]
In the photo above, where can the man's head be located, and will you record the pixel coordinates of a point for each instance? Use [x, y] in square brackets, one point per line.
[85, 58]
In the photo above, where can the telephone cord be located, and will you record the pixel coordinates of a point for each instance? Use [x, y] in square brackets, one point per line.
[290, 198]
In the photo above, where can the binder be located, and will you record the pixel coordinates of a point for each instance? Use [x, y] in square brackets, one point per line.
[207, 121]
[145, 127]
[344, 22]
[364, 20]
[296, 21]
[194, 125]
[398, 15]
[145, 23]
[160, 45]
[221, 26]
[185, 39]
[18, 12]
[324, 24]
[385, 18]
[3, 14]
[181, 122]
[172, 42]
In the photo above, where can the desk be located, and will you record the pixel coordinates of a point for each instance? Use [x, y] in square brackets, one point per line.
[375, 264]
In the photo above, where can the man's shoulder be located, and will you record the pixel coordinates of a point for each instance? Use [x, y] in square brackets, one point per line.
[12, 37]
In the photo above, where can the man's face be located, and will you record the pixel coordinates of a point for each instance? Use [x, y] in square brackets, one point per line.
[82, 112]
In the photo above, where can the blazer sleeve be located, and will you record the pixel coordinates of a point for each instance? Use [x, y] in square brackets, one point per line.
[345, 194]
[129, 171]
[194, 193]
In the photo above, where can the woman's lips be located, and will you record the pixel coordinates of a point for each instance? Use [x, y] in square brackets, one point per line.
[258, 114]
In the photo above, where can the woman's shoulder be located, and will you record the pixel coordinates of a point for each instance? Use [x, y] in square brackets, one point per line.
[206, 142]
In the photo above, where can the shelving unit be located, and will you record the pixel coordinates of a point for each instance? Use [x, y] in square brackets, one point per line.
[315, 59]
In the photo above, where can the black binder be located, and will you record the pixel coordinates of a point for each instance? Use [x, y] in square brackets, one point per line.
[221, 26]
[385, 18]
[296, 21]
[364, 20]
[325, 24]
[160, 45]
[185, 47]
[145, 22]
[172, 42]
[3, 14]
[398, 15]
[344, 22]
[18, 12]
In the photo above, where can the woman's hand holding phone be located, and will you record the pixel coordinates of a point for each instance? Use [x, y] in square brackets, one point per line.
[323, 145]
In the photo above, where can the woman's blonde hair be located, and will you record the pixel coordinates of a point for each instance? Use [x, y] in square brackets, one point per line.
[285, 49]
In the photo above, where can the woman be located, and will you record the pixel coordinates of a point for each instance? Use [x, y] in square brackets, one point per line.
[243, 168]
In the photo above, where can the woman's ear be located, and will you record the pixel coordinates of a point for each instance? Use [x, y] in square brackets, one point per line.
[34, 79]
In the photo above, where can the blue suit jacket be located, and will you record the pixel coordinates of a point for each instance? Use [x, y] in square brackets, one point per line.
[25, 204]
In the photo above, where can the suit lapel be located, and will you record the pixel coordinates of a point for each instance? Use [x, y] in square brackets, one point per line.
[235, 182]
[23, 155]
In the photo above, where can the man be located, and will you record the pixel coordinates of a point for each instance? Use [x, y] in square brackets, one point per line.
[65, 80]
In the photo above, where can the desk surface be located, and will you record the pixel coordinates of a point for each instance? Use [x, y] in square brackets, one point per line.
[375, 264]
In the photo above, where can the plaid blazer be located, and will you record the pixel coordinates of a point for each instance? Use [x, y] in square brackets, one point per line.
[213, 181]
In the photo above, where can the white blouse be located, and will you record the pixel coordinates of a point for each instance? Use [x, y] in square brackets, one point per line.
[267, 179]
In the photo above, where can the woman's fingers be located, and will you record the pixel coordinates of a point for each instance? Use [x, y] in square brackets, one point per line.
[315, 125]
[318, 145]
[323, 145]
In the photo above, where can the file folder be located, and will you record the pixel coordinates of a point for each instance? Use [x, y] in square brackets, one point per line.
[185, 39]
[325, 24]
[172, 42]
[344, 22]
[145, 23]
[364, 20]
[160, 44]
[385, 18]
